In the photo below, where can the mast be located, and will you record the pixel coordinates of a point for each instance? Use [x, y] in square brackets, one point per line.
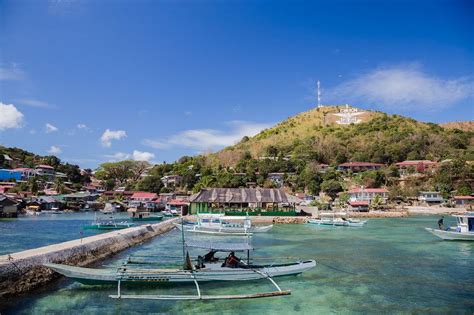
[319, 94]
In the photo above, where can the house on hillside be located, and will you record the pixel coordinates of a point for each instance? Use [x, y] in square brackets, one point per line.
[357, 167]
[179, 205]
[7, 174]
[171, 180]
[430, 197]
[46, 171]
[276, 178]
[26, 173]
[240, 200]
[410, 167]
[8, 207]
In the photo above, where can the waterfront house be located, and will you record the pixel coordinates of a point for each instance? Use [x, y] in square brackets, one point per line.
[430, 197]
[8, 207]
[463, 200]
[7, 174]
[415, 167]
[179, 205]
[143, 196]
[362, 206]
[49, 203]
[80, 199]
[124, 195]
[362, 194]
[171, 180]
[258, 200]
[356, 167]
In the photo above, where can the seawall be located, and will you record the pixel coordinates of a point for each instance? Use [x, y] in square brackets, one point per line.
[23, 271]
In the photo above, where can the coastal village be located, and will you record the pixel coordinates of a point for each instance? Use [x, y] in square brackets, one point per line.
[355, 192]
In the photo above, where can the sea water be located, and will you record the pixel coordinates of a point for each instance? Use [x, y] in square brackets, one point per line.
[388, 266]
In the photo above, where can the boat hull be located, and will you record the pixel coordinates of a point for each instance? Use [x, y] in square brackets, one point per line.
[212, 273]
[148, 219]
[226, 230]
[451, 235]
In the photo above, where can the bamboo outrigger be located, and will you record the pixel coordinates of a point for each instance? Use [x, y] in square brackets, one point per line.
[208, 269]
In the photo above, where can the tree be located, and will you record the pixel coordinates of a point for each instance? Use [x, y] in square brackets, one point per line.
[331, 187]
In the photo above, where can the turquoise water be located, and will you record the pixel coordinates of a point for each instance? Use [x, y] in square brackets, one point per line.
[28, 232]
[388, 266]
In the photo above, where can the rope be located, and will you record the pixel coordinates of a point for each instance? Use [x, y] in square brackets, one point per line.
[337, 269]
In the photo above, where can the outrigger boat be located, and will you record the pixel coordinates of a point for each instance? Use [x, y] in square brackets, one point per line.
[333, 221]
[208, 269]
[219, 224]
[464, 231]
[107, 224]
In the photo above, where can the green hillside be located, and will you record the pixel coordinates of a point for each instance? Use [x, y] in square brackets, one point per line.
[379, 138]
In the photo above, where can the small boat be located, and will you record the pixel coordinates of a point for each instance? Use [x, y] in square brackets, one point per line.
[463, 231]
[219, 224]
[52, 211]
[208, 269]
[108, 209]
[144, 216]
[329, 219]
[170, 213]
[107, 224]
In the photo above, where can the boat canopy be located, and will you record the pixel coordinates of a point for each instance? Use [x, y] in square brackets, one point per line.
[220, 246]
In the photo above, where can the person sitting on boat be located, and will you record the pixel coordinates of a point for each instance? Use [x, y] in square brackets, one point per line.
[441, 223]
[200, 262]
[231, 261]
[209, 257]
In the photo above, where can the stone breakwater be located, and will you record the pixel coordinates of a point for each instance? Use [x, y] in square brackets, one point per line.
[23, 271]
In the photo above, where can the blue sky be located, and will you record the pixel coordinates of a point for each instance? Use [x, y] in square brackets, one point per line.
[93, 81]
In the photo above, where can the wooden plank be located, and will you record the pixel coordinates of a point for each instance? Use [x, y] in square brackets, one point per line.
[202, 297]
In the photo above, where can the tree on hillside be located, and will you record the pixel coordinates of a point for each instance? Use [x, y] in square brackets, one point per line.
[331, 188]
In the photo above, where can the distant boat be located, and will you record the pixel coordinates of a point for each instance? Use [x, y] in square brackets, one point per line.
[464, 231]
[108, 209]
[107, 224]
[333, 221]
[218, 224]
[145, 216]
[170, 213]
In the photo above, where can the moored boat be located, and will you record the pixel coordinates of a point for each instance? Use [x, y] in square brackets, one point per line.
[145, 216]
[463, 231]
[107, 223]
[208, 268]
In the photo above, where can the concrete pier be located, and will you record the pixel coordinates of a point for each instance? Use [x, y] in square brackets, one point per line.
[24, 271]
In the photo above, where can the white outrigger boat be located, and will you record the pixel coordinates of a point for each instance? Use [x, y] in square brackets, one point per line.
[329, 219]
[219, 224]
[208, 269]
[464, 231]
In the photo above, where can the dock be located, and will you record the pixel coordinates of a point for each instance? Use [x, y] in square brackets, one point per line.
[24, 271]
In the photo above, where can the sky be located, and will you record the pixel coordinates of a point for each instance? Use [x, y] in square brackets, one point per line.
[97, 81]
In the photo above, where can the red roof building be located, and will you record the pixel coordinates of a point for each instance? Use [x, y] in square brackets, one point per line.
[144, 196]
[415, 166]
[463, 200]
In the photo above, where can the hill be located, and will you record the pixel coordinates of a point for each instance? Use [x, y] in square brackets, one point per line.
[336, 134]
[22, 158]
[461, 125]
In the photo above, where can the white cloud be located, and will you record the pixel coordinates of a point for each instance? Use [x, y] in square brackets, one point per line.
[50, 128]
[142, 156]
[206, 139]
[82, 126]
[119, 156]
[54, 150]
[110, 135]
[10, 117]
[35, 103]
[11, 73]
[406, 87]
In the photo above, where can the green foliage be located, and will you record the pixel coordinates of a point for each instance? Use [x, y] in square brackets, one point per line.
[331, 187]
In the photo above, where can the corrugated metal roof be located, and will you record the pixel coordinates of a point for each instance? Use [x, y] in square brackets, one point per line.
[240, 195]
